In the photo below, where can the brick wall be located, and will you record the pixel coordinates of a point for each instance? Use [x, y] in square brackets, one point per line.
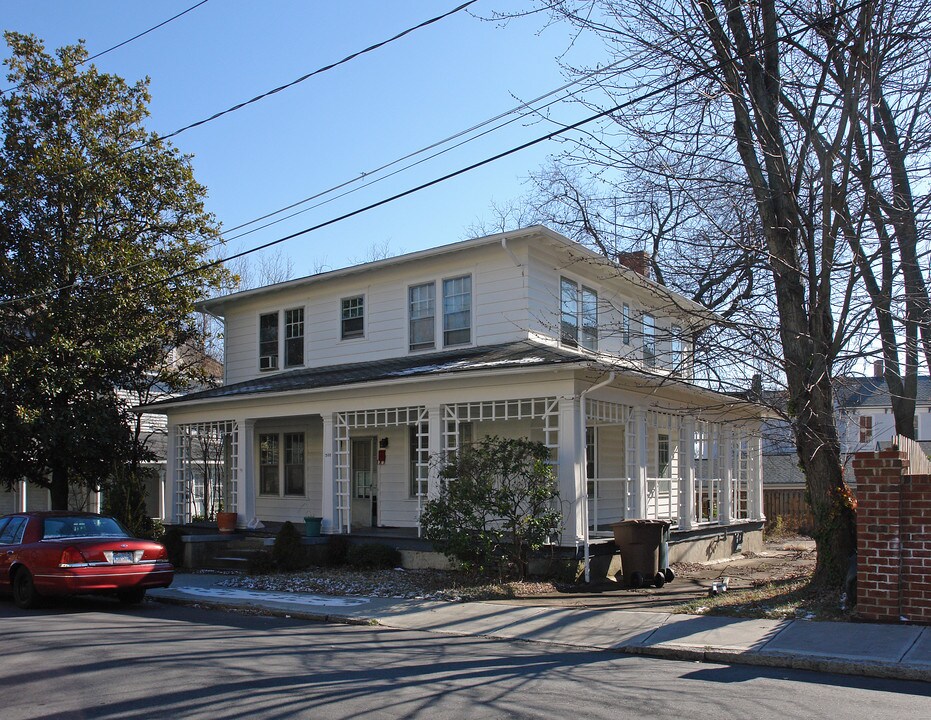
[893, 539]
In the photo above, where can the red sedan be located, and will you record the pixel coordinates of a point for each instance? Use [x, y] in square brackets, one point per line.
[74, 553]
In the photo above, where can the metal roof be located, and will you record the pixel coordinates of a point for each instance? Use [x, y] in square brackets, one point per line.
[522, 354]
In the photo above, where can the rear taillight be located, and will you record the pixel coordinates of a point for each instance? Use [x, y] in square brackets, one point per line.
[72, 557]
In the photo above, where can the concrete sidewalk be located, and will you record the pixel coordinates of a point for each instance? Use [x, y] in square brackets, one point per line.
[888, 651]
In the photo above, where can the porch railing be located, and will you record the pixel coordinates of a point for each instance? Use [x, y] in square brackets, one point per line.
[609, 503]
[662, 498]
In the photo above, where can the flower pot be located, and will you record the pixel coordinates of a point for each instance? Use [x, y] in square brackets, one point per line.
[226, 522]
[312, 526]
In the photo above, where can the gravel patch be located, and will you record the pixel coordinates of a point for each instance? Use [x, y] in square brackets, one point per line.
[397, 583]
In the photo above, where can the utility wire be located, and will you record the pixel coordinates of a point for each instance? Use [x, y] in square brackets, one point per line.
[301, 79]
[549, 136]
[126, 42]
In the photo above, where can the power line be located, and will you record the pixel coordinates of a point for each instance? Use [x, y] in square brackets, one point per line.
[126, 42]
[528, 104]
[301, 79]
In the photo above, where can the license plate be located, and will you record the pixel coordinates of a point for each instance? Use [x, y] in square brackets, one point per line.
[122, 557]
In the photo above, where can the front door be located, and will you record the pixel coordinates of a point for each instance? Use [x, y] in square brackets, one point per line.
[364, 482]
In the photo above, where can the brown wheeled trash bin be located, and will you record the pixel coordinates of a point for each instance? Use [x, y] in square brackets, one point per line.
[641, 543]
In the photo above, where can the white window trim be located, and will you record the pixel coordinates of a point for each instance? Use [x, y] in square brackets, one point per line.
[581, 286]
[438, 311]
[282, 342]
[365, 323]
[281, 464]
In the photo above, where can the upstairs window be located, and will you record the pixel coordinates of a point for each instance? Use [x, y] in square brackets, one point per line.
[866, 428]
[578, 309]
[268, 341]
[625, 324]
[649, 341]
[675, 345]
[422, 304]
[352, 316]
[294, 337]
[457, 311]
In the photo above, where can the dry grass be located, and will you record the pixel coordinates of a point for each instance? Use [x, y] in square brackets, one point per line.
[791, 598]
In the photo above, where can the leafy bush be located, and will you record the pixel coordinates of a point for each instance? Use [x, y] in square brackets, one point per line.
[372, 556]
[498, 503]
[288, 551]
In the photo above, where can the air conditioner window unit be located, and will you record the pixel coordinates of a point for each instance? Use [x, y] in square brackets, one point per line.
[268, 362]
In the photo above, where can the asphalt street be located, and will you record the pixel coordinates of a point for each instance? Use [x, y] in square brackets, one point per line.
[91, 658]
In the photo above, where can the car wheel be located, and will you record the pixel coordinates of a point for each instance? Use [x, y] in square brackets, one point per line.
[25, 594]
[132, 597]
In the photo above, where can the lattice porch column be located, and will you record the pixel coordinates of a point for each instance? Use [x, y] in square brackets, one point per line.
[173, 475]
[571, 474]
[725, 509]
[330, 523]
[755, 448]
[245, 470]
[434, 448]
[687, 474]
[639, 489]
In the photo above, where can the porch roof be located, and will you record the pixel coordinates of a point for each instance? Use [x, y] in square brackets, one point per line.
[510, 356]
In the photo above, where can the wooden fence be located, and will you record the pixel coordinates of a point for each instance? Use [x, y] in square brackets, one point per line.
[788, 507]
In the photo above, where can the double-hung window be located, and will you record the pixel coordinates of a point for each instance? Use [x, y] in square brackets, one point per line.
[625, 324]
[352, 317]
[866, 428]
[649, 341]
[578, 325]
[675, 341]
[457, 311]
[270, 335]
[422, 304]
[275, 466]
[294, 337]
[268, 341]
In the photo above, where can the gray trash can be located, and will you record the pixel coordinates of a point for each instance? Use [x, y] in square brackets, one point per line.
[644, 549]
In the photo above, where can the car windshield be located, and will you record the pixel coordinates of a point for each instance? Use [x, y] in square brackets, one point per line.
[76, 526]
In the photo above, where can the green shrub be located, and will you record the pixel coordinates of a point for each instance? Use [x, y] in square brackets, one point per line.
[372, 556]
[497, 504]
[288, 551]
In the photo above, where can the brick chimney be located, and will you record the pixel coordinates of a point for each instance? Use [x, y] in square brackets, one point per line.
[636, 260]
[877, 368]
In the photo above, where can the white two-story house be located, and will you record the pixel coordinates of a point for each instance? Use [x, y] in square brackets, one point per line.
[342, 390]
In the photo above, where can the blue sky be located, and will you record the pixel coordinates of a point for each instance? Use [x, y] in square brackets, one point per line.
[336, 126]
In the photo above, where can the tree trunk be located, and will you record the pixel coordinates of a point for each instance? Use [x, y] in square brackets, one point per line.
[58, 490]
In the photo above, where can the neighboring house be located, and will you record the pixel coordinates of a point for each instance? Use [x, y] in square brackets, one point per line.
[153, 436]
[863, 411]
[341, 389]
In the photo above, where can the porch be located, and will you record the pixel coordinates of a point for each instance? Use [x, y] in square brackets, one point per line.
[362, 468]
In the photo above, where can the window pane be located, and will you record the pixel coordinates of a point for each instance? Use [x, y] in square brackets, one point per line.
[649, 341]
[457, 310]
[663, 456]
[676, 348]
[268, 341]
[569, 304]
[268, 464]
[589, 319]
[294, 337]
[625, 324]
[422, 316]
[352, 317]
[294, 464]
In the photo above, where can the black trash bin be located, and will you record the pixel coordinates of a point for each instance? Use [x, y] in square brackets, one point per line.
[644, 549]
